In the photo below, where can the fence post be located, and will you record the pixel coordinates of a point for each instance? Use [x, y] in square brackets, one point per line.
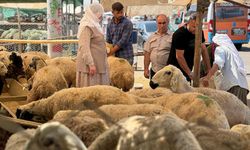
[54, 26]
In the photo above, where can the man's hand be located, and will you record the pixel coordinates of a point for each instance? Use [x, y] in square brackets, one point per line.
[92, 70]
[205, 81]
[146, 73]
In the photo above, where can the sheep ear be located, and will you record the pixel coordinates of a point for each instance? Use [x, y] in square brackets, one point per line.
[174, 81]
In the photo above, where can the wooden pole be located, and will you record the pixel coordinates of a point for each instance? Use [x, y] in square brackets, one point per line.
[19, 30]
[201, 7]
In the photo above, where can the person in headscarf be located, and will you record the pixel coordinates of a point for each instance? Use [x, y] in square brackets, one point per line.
[91, 63]
[228, 61]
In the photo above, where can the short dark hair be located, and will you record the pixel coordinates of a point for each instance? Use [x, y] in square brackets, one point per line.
[193, 16]
[117, 6]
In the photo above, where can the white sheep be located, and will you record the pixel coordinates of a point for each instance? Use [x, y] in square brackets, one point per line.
[116, 112]
[54, 136]
[45, 82]
[18, 140]
[75, 99]
[121, 73]
[193, 107]
[159, 132]
[172, 78]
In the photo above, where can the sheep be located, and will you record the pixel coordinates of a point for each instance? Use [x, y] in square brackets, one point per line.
[4, 57]
[137, 132]
[15, 68]
[3, 72]
[211, 139]
[65, 64]
[172, 78]
[116, 112]
[74, 99]
[27, 59]
[45, 82]
[193, 107]
[54, 135]
[18, 140]
[241, 128]
[121, 73]
[85, 127]
[150, 93]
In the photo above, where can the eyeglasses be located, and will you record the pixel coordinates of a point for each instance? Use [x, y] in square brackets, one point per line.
[161, 22]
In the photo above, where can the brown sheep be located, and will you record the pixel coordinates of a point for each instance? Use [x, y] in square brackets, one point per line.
[121, 73]
[45, 82]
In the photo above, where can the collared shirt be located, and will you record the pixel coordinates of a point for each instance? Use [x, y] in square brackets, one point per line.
[231, 75]
[159, 48]
[121, 34]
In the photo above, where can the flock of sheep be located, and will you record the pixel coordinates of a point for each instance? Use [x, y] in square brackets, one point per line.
[173, 116]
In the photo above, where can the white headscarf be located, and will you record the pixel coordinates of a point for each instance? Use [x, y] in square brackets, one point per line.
[226, 43]
[91, 18]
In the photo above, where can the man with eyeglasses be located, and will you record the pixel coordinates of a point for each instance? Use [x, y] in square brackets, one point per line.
[157, 47]
[119, 34]
[182, 50]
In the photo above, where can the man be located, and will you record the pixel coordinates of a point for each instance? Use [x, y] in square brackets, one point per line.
[182, 50]
[157, 47]
[228, 60]
[119, 32]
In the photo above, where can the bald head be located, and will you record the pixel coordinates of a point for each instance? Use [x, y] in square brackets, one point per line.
[162, 23]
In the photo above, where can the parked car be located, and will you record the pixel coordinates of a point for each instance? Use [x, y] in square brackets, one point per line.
[145, 29]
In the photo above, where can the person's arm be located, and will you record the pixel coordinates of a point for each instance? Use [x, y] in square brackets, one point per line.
[127, 31]
[146, 64]
[147, 53]
[205, 80]
[205, 57]
[182, 62]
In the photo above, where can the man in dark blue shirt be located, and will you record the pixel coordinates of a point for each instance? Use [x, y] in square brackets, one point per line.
[119, 34]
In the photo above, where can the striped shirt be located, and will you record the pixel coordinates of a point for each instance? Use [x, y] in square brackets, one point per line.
[121, 35]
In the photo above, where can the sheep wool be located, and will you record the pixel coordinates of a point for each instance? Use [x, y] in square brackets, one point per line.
[137, 132]
[45, 82]
[116, 112]
[172, 78]
[121, 73]
[75, 99]
[85, 127]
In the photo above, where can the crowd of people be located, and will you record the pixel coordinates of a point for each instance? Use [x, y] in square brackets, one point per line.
[162, 48]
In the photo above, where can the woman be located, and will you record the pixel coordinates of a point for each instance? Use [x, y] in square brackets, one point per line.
[228, 61]
[91, 62]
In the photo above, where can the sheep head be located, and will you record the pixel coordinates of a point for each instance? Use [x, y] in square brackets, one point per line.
[172, 78]
[37, 63]
[54, 136]
[3, 69]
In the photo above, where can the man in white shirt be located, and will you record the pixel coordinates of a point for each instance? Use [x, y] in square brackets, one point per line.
[157, 47]
[227, 59]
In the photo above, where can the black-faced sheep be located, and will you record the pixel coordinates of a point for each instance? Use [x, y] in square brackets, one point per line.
[121, 73]
[172, 78]
[45, 82]
[74, 99]
[159, 132]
